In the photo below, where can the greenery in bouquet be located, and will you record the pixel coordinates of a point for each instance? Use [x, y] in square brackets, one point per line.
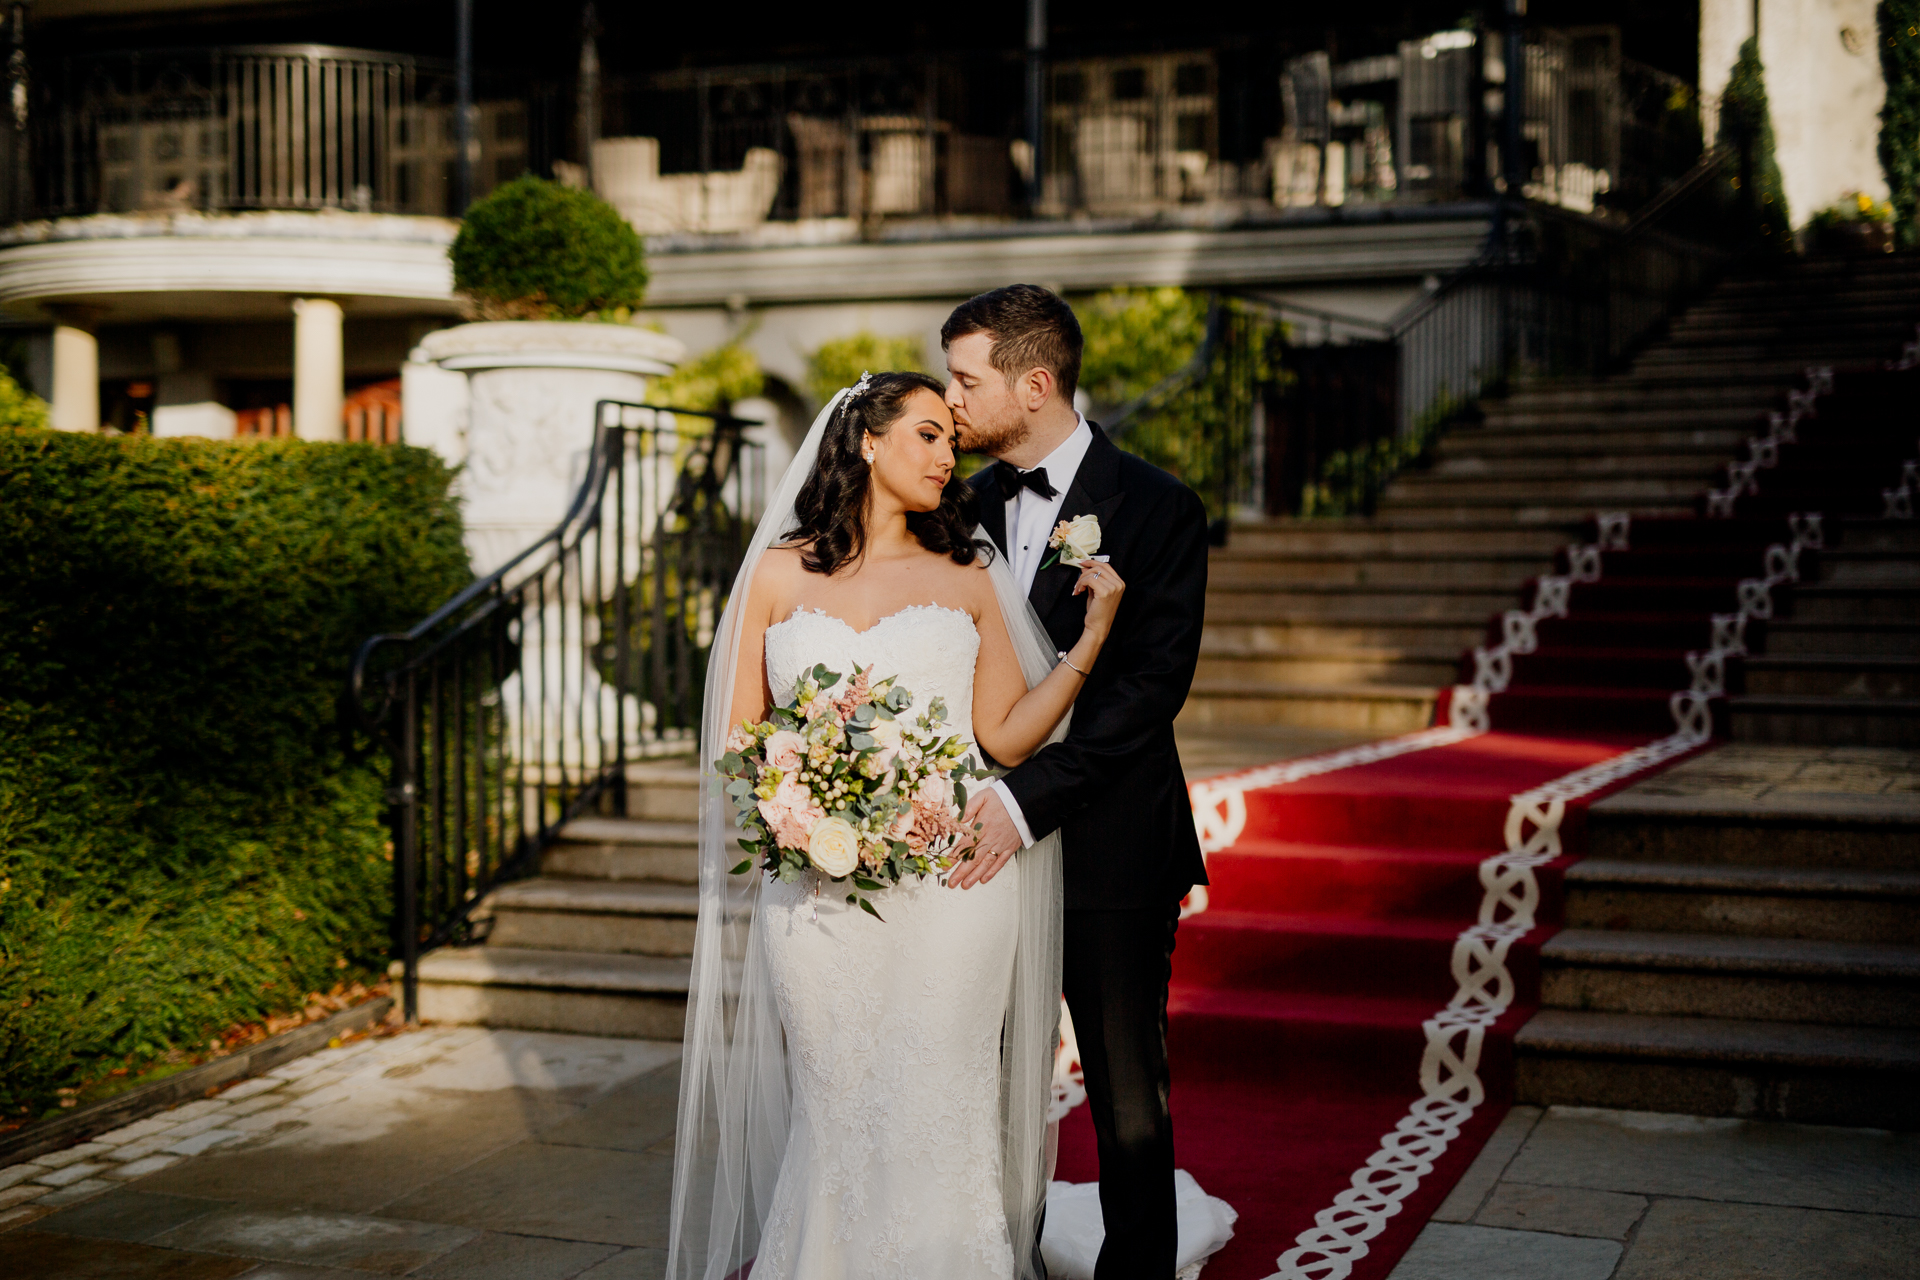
[1855, 206]
[841, 780]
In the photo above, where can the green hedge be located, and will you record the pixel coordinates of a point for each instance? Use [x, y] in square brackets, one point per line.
[184, 842]
[535, 250]
[1746, 121]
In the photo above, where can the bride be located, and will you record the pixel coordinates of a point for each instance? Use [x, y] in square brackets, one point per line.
[863, 1097]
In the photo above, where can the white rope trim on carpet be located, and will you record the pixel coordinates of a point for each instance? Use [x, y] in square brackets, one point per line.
[1220, 804]
[1450, 1084]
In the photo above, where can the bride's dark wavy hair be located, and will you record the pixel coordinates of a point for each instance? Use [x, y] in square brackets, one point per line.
[832, 506]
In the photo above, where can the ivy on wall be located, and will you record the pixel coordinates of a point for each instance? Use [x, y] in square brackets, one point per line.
[1900, 117]
[1746, 125]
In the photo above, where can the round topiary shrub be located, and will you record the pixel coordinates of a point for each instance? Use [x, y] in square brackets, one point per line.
[535, 250]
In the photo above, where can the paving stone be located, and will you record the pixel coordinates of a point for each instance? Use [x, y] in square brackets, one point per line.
[20, 1173]
[145, 1146]
[126, 1214]
[297, 1271]
[138, 1129]
[319, 1239]
[632, 1117]
[1568, 1211]
[261, 1102]
[72, 1155]
[31, 1254]
[338, 1092]
[1702, 1240]
[247, 1088]
[71, 1174]
[142, 1167]
[21, 1216]
[574, 1193]
[1470, 1192]
[21, 1194]
[298, 1069]
[194, 1110]
[86, 1189]
[199, 1124]
[194, 1145]
[363, 1153]
[634, 1264]
[1452, 1251]
[504, 1257]
[1756, 1162]
[266, 1121]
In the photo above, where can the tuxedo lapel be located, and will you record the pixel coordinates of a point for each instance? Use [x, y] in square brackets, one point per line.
[1095, 491]
[993, 508]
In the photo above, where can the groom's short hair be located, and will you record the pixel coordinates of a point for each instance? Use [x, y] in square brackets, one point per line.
[1029, 327]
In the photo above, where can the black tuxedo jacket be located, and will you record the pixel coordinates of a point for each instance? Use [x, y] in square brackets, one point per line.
[1113, 788]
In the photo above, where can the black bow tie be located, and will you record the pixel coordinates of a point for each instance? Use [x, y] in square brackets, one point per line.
[1012, 480]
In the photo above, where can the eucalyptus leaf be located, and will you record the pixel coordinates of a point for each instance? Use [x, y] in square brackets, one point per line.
[742, 867]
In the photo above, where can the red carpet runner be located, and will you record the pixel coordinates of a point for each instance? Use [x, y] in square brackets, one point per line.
[1346, 993]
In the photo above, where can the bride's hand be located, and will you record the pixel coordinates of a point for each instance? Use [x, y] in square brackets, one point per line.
[1104, 588]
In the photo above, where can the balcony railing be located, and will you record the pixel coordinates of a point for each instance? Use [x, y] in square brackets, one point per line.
[256, 127]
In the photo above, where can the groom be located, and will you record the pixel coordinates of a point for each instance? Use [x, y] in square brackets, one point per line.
[1113, 788]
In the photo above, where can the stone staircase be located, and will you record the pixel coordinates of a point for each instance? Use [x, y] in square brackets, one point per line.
[1354, 623]
[600, 942]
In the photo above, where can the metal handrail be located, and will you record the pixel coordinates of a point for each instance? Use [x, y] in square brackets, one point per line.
[518, 704]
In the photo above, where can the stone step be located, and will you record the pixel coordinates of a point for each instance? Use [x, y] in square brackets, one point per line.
[1863, 984]
[1807, 719]
[580, 992]
[1843, 831]
[1823, 602]
[1248, 570]
[1251, 639]
[664, 791]
[1898, 536]
[1869, 317]
[1792, 352]
[1522, 514]
[1833, 676]
[626, 849]
[1369, 537]
[1773, 902]
[1634, 395]
[1330, 668]
[1851, 567]
[1755, 1069]
[1558, 439]
[1786, 637]
[1600, 461]
[1337, 602]
[1359, 708]
[1667, 486]
[633, 917]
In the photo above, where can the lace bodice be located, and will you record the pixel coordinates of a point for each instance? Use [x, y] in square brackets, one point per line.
[929, 648]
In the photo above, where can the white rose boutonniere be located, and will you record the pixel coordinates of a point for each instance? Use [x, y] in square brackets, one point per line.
[1074, 541]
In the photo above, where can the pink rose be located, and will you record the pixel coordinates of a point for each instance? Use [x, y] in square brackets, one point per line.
[783, 750]
[934, 792]
[902, 826]
[738, 739]
[820, 706]
[791, 813]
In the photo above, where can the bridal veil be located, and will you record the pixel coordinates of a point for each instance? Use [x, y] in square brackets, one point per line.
[734, 1091]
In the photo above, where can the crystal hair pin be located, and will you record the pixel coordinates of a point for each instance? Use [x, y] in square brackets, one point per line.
[860, 387]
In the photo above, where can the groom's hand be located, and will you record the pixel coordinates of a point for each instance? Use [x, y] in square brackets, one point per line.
[996, 841]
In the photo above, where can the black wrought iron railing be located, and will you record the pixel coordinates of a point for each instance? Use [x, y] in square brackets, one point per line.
[519, 704]
[1289, 410]
[256, 127]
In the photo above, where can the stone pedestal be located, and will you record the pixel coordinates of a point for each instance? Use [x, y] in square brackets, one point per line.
[319, 369]
[531, 391]
[76, 377]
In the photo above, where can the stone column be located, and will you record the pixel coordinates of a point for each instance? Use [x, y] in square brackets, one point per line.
[76, 375]
[319, 370]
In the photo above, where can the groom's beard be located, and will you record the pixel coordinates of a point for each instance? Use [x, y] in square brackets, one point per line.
[995, 438]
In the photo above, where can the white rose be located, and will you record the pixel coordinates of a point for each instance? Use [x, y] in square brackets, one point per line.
[1078, 538]
[886, 734]
[834, 847]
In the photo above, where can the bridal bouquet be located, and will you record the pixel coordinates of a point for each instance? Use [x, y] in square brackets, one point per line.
[841, 780]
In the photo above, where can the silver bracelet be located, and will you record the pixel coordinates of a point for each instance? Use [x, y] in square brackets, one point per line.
[1069, 661]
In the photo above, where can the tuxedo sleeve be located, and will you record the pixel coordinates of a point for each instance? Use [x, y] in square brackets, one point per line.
[1143, 673]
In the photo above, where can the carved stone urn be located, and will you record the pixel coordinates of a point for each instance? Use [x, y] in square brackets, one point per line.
[527, 426]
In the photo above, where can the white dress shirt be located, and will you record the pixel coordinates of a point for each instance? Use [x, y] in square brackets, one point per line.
[1030, 521]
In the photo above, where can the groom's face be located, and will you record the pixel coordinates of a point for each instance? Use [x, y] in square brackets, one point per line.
[985, 412]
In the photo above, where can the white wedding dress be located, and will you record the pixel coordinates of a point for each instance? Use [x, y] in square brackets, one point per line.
[892, 1165]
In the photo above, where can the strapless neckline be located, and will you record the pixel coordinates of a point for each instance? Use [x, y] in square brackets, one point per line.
[801, 611]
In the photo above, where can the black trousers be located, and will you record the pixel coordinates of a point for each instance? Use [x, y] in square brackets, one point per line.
[1116, 967]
